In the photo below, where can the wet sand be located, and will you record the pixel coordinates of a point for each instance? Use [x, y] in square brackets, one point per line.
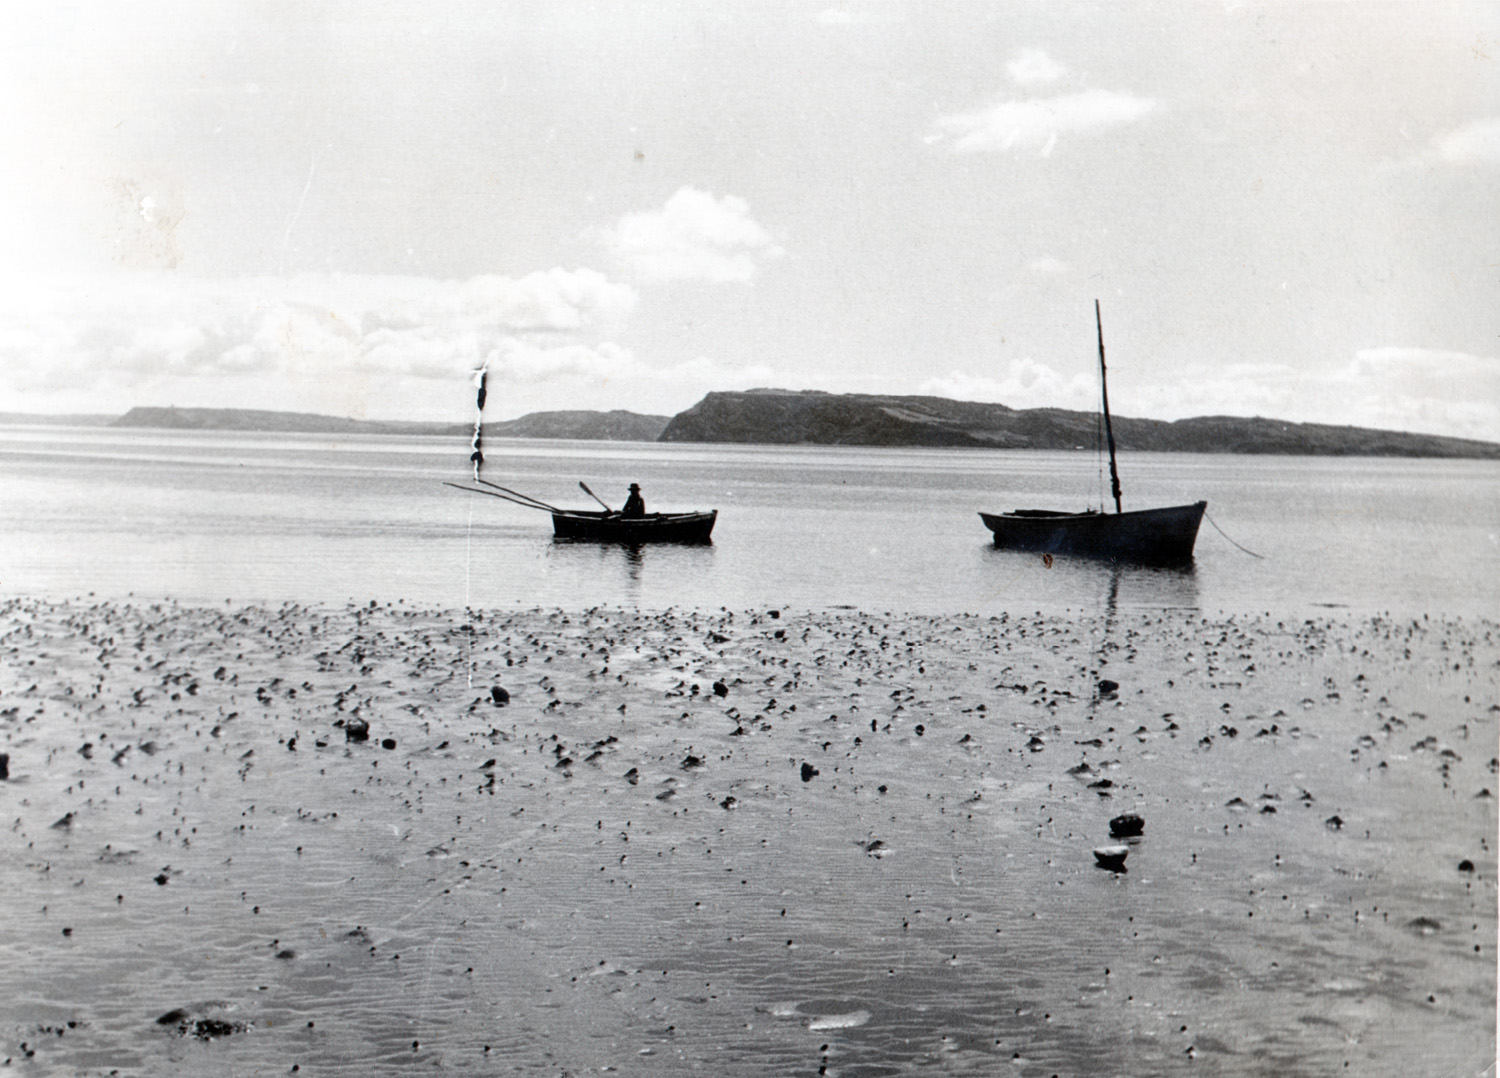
[317, 840]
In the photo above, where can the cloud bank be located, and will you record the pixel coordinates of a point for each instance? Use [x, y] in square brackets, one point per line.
[383, 346]
[1410, 389]
[140, 330]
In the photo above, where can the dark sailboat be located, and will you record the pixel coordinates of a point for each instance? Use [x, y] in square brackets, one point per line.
[1143, 536]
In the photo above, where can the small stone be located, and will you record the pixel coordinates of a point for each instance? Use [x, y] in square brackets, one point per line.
[808, 771]
[1127, 825]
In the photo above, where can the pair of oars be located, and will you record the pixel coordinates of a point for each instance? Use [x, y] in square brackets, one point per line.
[506, 494]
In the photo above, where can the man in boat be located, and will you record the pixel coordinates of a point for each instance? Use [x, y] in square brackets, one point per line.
[635, 505]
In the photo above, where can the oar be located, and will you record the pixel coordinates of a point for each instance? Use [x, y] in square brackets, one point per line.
[596, 497]
[524, 497]
[492, 494]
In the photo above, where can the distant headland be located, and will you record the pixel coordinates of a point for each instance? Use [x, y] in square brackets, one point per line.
[808, 417]
[783, 417]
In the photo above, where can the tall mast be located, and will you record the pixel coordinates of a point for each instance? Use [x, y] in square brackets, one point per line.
[1109, 433]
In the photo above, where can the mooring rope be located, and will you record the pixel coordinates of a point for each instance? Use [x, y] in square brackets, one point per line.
[1221, 531]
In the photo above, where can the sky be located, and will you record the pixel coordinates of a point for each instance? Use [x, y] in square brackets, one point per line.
[1285, 209]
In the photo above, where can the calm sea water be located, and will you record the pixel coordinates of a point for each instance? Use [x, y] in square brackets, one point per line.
[214, 516]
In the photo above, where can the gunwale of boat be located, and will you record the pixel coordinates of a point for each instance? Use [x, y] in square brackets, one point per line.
[1087, 514]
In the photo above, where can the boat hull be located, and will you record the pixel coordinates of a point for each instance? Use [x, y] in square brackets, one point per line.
[652, 528]
[1146, 536]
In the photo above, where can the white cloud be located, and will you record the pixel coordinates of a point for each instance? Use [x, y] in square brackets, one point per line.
[1033, 66]
[1048, 266]
[695, 236]
[1477, 143]
[1036, 123]
[839, 16]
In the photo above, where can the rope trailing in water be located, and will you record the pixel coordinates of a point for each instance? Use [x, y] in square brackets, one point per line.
[1221, 531]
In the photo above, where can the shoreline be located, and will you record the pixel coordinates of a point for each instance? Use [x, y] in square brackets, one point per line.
[872, 847]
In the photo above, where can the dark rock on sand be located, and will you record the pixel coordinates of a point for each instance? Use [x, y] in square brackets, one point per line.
[388, 743]
[206, 1029]
[4, 766]
[200, 1024]
[808, 771]
[499, 696]
[1108, 688]
[1126, 825]
[1466, 865]
[356, 730]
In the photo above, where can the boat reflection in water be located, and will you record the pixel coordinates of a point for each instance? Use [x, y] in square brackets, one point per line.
[601, 568]
[1112, 585]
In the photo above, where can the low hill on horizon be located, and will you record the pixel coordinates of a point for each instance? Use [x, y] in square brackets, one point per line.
[615, 426]
[610, 426]
[811, 417]
[262, 420]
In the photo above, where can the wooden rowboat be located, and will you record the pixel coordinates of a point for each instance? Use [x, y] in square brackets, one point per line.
[609, 527]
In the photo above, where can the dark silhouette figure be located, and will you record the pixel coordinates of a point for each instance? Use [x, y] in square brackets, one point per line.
[635, 505]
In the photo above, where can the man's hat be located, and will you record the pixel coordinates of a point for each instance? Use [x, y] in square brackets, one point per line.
[635, 486]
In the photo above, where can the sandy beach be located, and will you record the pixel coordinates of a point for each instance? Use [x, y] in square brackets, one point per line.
[373, 839]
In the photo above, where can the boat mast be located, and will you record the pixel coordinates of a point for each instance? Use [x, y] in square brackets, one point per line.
[1109, 434]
